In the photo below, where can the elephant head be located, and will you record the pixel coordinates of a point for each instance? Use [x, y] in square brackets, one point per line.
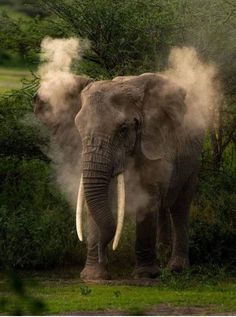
[119, 118]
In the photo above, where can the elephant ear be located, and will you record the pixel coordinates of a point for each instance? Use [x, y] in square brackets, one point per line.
[163, 110]
[57, 102]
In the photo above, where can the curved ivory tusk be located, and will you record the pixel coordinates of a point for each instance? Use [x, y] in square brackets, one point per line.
[120, 209]
[79, 209]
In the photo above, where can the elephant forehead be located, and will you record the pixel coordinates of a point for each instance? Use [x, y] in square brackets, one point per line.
[98, 90]
[99, 116]
[102, 105]
[104, 91]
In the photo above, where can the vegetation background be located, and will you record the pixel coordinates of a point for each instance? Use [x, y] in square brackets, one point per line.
[127, 37]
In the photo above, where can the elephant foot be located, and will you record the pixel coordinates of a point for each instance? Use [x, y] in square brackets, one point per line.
[94, 272]
[178, 264]
[150, 271]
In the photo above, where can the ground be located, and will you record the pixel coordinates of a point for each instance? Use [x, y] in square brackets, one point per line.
[57, 293]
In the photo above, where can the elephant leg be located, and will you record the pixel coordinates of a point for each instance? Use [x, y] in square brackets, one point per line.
[164, 235]
[93, 270]
[180, 226]
[145, 246]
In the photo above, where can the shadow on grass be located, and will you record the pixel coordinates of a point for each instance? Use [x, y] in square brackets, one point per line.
[18, 300]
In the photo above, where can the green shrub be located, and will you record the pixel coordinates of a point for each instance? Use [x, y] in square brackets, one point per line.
[213, 220]
[37, 226]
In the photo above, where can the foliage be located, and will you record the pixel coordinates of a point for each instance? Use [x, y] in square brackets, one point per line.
[125, 37]
[85, 290]
[209, 26]
[213, 222]
[36, 222]
[17, 139]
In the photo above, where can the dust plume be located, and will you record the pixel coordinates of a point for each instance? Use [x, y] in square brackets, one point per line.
[199, 79]
[55, 71]
[57, 91]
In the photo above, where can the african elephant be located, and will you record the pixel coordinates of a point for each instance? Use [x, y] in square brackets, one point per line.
[138, 119]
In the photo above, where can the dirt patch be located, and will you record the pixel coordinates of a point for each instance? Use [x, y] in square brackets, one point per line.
[167, 309]
[126, 282]
[97, 313]
[157, 310]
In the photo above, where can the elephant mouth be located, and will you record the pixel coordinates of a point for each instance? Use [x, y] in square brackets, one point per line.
[120, 209]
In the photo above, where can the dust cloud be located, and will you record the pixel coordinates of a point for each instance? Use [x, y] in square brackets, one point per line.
[199, 79]
[55, 72]
[57, 91]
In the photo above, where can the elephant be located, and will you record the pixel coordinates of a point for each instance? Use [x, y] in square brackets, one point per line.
[140, 119]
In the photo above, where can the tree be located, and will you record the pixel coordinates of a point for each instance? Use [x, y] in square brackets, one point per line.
[126, 36]
[210, 27]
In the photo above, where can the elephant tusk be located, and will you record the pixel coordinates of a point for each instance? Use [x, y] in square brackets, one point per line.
[79, 209]
[120, 209]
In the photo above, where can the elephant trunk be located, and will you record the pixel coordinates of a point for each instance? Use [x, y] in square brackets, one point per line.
[97, 171]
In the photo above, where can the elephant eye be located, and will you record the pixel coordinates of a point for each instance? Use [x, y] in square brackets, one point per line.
[123, 129]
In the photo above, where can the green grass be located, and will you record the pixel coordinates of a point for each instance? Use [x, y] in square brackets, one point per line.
[214, 295]
[11, 78]
[62, 298]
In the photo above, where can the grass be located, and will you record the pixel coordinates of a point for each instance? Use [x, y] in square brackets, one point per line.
[62, 298]
[63, 294]
[11, 78]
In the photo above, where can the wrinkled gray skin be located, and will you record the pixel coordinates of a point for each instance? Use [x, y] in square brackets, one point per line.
[138, 118]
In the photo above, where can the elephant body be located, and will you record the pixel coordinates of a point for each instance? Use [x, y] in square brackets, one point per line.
[141, 126]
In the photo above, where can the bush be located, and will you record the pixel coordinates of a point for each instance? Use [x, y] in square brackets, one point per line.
[37, 225]
[213, 222]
